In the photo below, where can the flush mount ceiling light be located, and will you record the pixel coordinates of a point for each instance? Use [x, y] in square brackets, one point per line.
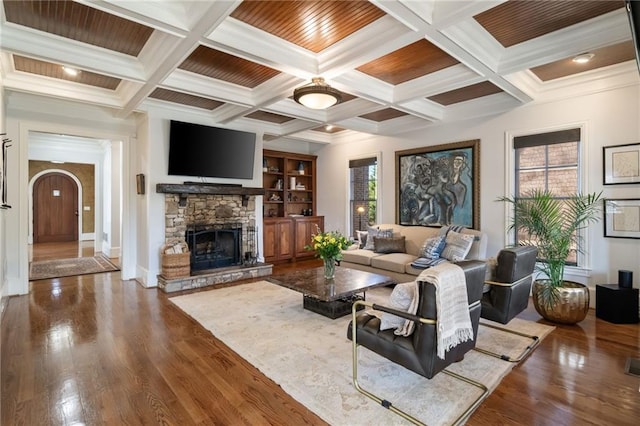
[317, 95]
[583, 58]
[70, 71]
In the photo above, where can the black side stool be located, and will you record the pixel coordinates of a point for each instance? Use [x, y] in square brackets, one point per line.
[617, 304]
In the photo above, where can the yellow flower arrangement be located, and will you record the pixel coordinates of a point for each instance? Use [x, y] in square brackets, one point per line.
[328, 245]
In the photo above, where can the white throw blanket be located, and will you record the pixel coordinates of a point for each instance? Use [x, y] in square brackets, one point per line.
[453, 321]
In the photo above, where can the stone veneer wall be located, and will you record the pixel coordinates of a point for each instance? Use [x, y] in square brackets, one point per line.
[207, 209]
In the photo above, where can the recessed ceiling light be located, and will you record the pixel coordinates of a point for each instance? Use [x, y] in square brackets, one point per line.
[583, 58]
[70, 71]
[328, 127]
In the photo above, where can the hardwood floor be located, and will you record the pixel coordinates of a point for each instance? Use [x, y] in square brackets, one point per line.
[94, 349]
[48, 251]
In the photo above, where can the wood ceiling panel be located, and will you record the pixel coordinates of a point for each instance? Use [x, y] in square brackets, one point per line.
[466, 93]
[269, 116]
[185, 99]
[313, 25]
[383, 114]
[412, 61]
[605, 56]
[516, 21]
[48, 69]
[333, 129]
[79, 22]
[222, 66]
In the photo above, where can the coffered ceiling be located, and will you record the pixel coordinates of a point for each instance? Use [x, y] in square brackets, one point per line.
[401, 65]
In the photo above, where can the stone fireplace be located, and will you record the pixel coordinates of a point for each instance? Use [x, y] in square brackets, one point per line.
[218, 224]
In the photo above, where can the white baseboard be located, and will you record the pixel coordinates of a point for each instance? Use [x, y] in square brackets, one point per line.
[145, 278]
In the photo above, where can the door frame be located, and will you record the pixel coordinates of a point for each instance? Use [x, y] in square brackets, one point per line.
[18, 261]
[32, 181]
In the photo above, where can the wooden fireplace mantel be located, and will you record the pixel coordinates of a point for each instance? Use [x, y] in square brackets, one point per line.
[207, 188]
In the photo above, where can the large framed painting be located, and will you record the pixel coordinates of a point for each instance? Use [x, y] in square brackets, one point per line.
[439, 185]
[621, 164]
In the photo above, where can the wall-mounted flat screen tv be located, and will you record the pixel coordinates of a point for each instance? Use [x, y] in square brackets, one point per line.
[205, 151]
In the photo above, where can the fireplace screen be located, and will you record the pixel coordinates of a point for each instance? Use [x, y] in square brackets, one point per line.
[214, 246]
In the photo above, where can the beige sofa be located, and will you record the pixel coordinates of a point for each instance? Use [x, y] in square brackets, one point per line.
[398, 265]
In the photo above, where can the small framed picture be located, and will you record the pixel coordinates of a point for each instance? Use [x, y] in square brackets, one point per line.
[622, 218]
[140, 183]
[621, 164]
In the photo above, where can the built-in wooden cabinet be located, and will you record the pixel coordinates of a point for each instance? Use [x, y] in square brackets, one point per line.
[278, 239]
[285, 237]
[289, 181]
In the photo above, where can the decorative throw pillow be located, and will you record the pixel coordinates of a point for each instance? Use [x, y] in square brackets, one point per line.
[362, 238]
[389, 245]
[455, 228]
[457, 246]
[432, 247]
[424, 263]
[401, 298]
[376, 232]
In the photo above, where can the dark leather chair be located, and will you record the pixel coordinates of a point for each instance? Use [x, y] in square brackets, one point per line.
[508, 293]
[418, 352]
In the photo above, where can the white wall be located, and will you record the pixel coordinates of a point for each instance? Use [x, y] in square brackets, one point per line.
[610, 118]
[152, 158]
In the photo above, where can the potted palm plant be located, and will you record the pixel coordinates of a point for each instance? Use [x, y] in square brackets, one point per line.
[553, 225]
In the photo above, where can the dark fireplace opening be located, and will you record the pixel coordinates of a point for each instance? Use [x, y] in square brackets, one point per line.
[214, 246]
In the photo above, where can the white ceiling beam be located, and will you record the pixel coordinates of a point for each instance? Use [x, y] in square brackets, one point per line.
[59, 50]
[212, 16]
[250, 43]
[601, 31]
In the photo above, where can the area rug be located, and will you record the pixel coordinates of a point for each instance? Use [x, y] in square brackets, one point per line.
[310, 357]
[46, 269]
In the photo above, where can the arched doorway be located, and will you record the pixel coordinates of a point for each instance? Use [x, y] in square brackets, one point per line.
[55, 208]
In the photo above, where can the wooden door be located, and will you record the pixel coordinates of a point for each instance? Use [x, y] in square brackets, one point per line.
[278, 239]
[305, 228]
[285, 236]
[269, 241]
[55, 209]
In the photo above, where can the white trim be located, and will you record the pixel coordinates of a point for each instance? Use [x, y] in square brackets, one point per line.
[584, 261]
[378, 156]
[30, 201]
[19, 284]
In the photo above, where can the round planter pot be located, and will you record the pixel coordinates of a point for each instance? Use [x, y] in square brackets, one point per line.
[571, 307]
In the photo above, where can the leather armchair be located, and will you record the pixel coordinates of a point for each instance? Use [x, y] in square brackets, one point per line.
[418, 352]
[508, 294]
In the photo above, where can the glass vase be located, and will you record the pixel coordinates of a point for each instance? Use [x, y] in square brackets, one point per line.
[329, 268]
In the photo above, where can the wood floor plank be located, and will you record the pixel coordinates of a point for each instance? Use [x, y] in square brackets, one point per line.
[97, 350]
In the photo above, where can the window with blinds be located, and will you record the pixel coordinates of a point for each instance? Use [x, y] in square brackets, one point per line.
[548, 161]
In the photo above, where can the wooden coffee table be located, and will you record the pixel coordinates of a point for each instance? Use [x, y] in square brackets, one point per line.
[331, 298]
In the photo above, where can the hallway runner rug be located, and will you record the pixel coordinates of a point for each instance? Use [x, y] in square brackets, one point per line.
[46, 269]
[309, 356]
